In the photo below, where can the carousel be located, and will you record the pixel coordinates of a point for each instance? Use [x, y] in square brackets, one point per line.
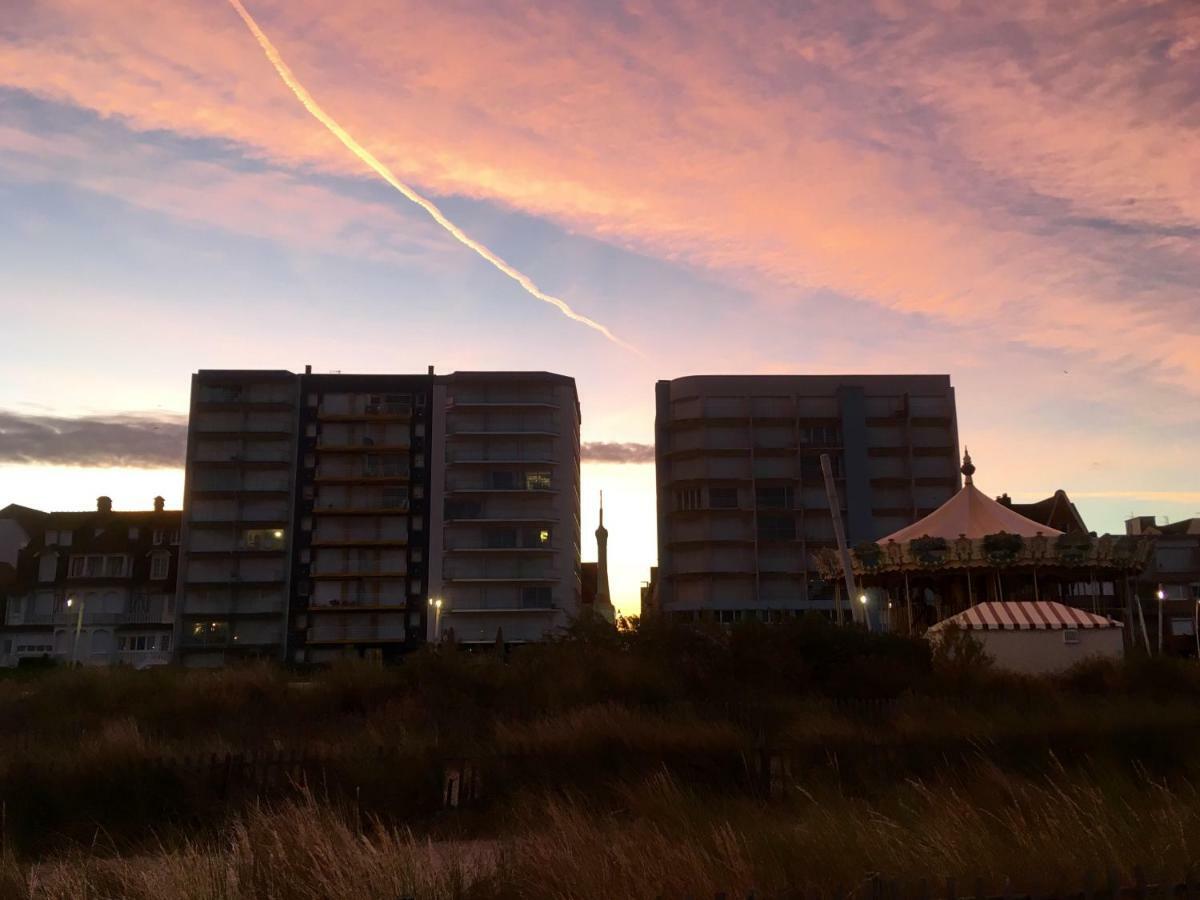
[974, 549]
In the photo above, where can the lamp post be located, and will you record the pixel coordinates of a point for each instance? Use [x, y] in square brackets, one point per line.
[78, 628]
[862, 598]
[1162, 596]
[1196, 627]
[436, 605]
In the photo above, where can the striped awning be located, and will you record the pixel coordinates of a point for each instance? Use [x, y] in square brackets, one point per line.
[1041, 615]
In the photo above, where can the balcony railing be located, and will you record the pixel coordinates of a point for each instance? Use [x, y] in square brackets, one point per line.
[339, 634]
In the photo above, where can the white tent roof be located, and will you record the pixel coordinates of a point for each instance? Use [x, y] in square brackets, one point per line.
[1038, 615]
[972, 513]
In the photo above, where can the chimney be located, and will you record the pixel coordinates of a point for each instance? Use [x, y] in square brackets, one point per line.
[431, 370]
[308, 370]
[159, 504]
[104, 504]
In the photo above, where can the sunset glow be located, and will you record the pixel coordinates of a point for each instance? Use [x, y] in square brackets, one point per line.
[1007, 193]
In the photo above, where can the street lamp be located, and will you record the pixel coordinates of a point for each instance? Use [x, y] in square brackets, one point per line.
[78, 628]
[862, 598]
[1162, 595]
[436, 603]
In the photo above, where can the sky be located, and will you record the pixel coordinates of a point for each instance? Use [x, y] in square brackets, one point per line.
[1005, 192]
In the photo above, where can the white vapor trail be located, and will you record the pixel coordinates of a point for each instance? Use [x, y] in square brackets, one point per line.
[385, 173]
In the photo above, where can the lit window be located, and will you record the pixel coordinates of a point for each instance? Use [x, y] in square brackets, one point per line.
[262, 539]
[537, 481]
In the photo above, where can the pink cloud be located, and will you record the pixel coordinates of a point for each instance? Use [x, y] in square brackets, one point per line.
[1027, 174]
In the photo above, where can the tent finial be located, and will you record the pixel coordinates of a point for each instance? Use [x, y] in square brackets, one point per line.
[968, 467]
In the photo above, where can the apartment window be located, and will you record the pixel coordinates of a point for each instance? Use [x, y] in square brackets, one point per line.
[417, 554]
[419, 429]
[114, 567]
[418, 491]
[51, 538]
[500, 538]
[821, 435]
[688, 498]
[463, 509]
[537, 481]
[93, 566]
[310, 460]
[503, 480]
[414, 586]
[1070, 635]
[48, 567]
[164, 643]
[159, 537]
[160, 564]
[810, 466]
[722, 497]
[76, 567]
[210, 632]
[536, 597]
[307, 492]
[395, 498]
[134, 533]
[773, 497]
[776, 528]
[262, 539]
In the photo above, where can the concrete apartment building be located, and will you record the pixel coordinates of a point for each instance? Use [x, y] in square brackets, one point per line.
[330, 514]
[505, 533]
[741, 497]
[93, 588]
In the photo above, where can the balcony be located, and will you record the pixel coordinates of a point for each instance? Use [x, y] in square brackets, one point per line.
[365, 603]
[357, 634]
[349, 570]
[374, 475]
[500, 458]
[372, 412]
[502, 431]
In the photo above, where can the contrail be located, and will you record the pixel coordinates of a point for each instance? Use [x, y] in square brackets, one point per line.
[386, 174]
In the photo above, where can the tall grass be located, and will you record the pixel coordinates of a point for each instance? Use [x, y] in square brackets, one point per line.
[658, 838]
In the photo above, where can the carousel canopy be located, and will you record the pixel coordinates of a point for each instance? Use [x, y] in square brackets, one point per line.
[1038, 615]
[972, 513]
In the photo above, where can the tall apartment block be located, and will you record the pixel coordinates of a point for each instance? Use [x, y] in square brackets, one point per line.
[741, 496]
[505, 538]
[318, 509]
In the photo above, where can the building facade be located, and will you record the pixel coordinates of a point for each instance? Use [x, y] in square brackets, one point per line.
[95, 588]
[504, 556]
[331, 515]
[1169, 587]
[741, 498]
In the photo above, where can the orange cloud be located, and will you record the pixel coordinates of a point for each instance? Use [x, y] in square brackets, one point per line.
[1020, 171]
